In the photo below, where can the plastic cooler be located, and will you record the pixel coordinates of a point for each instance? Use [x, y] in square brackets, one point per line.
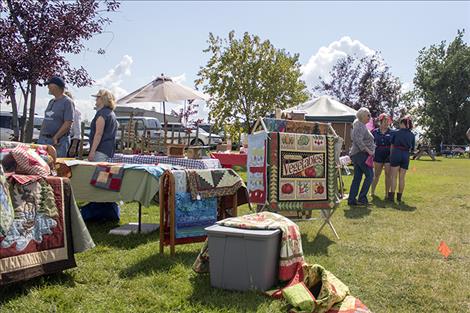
[243, 259]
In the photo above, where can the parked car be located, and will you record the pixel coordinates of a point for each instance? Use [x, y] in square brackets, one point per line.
[6, 126]
[178, 130]
[149, 124]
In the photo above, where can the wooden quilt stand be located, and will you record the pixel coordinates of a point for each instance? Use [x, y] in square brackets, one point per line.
[293, 170]
[167, 213]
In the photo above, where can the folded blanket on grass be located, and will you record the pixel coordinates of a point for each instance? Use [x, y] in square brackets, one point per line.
[213, 183]
[313, 289]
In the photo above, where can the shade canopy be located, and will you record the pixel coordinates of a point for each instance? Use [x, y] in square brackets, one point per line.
[162, 89]
[325, 109]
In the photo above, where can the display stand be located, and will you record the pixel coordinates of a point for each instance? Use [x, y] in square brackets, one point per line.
[292, 169]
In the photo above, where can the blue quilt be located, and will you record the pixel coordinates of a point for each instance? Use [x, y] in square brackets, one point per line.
[192, 216]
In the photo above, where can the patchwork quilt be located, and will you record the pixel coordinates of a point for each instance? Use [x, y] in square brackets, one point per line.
[108, 177]
[256, 167]
[35, 231]
[213, 183]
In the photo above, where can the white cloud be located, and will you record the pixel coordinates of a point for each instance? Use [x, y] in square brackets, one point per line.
[180, 78]
[321, 63]
[113, 79]
[407, 86]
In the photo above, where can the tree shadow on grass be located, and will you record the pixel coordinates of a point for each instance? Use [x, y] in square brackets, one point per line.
[100, 234]
[318, 246]
[22, 288]
[356, 212]
[207, 296]
[159, 263]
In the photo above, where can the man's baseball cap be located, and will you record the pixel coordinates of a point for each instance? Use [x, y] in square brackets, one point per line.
[56, 80]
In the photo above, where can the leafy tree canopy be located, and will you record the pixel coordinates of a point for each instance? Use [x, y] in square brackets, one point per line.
[247, 78]
[363, 82]
[442, 91]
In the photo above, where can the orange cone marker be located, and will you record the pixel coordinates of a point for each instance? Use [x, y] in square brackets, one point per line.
[444, 249]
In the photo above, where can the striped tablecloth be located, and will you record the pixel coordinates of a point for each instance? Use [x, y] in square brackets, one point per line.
[154, 159]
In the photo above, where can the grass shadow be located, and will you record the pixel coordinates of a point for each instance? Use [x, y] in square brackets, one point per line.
[428, 159]
[318, 246]
[356, 212]
[224, 300]
[159, 263]
[403, 207]
[100, 234]
[380, 203]
[22, 288]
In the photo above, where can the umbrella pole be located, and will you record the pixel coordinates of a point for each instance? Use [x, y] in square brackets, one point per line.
[164, 126]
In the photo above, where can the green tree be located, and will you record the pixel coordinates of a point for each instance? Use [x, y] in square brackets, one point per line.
[363, 82]
[248, 78]
[442, 91]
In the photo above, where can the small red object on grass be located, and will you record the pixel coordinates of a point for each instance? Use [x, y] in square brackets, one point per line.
[444, 249]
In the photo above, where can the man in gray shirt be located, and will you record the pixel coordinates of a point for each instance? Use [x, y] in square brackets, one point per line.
[58, 118]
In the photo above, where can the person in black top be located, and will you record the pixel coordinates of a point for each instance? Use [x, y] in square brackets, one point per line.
[403, 141]
[382, 137]
[103, 128]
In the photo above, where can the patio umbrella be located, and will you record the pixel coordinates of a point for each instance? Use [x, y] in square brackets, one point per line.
[163, 89]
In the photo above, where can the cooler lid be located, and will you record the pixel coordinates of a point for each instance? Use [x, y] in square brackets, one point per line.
[218, 230]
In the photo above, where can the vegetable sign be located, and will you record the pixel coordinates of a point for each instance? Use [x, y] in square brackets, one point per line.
[302, 167]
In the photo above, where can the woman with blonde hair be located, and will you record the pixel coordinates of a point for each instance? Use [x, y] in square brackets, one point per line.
[362, 148]
[382, 137]
[103, 127]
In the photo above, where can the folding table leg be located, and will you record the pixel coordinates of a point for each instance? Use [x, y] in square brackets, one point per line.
[139, 227]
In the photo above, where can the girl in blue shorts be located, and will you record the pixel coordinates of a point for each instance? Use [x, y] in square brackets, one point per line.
[402, 142]
[382, 137]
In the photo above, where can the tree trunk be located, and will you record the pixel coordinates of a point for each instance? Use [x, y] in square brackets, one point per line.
[30, 124]
[25, 110]
[14, 111]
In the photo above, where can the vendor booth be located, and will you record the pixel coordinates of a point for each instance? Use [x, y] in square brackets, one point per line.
[327, 110]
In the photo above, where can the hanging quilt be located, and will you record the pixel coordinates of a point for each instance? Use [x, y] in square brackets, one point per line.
[256, 167]
[302, 171]
[37, 238]
[192, 216]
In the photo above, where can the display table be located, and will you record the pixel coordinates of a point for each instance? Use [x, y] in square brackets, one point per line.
[228, 160]
[155, 159]
[137, 185]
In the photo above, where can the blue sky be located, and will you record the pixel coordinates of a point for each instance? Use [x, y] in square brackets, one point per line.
[148, 38]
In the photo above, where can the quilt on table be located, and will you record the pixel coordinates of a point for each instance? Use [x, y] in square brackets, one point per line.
[192, 216]
[213, 183]
[108, 177]
[37, 238]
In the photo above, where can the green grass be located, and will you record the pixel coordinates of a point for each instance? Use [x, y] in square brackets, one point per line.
[387, 255]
